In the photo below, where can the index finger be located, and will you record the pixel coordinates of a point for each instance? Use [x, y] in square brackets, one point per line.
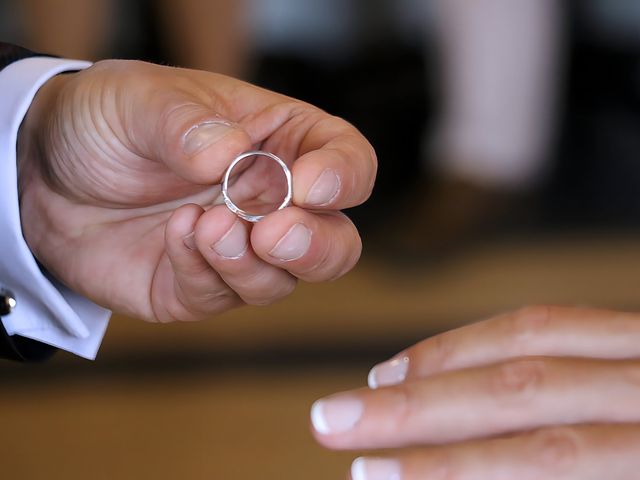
[530, 331]
[506, 398]
[336, 168]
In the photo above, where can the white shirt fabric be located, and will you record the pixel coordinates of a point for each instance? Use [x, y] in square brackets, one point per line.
[46, 311]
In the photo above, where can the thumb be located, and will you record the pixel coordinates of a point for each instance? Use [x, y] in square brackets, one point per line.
[196, 143]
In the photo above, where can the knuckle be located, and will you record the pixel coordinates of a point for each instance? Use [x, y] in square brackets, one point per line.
[556, 450]
[111, 65]
[170, 313]
[439, 353]
[188, 270]
[196, 306]
[176, 116]
[519, 379]
[631, 373]
[214, 297]
[215, 306]
[279, 291]
[261, 286]
[410, 408]
[528, 324]
[443, 466]
[352, 256]
[322, 267]
[407, 406]
[350, 252]
[286, 288]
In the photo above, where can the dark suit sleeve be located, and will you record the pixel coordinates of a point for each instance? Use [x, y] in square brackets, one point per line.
[23, 349]
[12, 53]
[16, 347]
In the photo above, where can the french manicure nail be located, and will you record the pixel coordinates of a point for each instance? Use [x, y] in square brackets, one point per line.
[391, 372]
[190, 241]
[204, 135]
[336, 414]
[375, 469]
[234, 243]
[324, 189]
[293, 245]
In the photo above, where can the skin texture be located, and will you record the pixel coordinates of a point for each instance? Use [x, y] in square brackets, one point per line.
[116, 206]
[544, 392]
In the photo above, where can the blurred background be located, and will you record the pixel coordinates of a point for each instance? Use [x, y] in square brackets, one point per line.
[508, 135]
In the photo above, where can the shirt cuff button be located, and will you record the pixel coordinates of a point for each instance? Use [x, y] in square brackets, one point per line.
[7, 301]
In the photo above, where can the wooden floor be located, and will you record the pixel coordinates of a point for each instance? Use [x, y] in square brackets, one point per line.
[229, 398]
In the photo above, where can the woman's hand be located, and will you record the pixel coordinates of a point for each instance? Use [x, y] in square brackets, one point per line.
[119, 173]
[542, 393]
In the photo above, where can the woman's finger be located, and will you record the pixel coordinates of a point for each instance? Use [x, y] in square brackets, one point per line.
[223, 240]
[570, 453]
[311, 246]
[511, 397]
[531, 331]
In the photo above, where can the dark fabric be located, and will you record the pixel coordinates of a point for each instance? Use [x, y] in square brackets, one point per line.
[23, 349]
[11, 53]
[16, 347]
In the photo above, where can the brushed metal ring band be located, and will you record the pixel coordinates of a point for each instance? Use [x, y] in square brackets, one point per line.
[225, 185]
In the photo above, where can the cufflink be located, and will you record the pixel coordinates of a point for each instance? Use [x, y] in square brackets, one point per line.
[7, 301]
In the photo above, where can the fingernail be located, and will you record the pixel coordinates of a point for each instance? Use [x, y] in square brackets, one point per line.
[234, 243]
[293, 245]
[204, 135]
[190, 241]
[336, 414]
[375, 469]
[324, 189]
[388, 373]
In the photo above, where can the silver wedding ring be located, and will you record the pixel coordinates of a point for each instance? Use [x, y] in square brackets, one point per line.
[225, 185]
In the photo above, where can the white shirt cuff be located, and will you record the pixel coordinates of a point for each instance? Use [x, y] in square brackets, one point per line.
[46, 311]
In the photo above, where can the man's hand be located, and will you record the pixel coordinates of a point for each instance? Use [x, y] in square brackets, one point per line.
[545, 392]
[119, 166]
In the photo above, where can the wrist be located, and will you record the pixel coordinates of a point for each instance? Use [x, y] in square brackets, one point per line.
[34, 135]
[34, 147]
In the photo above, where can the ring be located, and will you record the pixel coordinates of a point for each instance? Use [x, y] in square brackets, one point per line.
[225, 185]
